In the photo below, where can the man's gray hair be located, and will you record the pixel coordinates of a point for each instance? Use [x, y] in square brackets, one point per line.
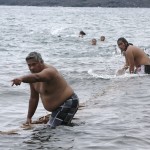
[34, 55]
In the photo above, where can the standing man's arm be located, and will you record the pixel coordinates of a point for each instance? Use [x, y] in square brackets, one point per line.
[33, 103]
[130, 59]
[126, 65]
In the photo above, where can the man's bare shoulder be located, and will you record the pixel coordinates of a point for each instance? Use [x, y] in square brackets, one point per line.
[136, 51]
[49, 70]
[132, 48]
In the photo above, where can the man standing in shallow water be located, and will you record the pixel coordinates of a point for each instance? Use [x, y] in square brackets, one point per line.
[48, 84]
[134, 56]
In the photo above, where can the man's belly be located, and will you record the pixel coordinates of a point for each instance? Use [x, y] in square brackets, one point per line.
[52, 102]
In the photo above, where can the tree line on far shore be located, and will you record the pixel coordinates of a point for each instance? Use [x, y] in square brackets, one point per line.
[79, 3]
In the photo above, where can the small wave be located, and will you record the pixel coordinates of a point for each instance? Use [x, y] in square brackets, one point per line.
[106, 76]
[102, 76]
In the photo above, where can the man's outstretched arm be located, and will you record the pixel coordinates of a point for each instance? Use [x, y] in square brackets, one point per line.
[43, 76]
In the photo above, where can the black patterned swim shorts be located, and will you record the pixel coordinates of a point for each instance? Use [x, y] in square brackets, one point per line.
[64, 114]
[147, 69]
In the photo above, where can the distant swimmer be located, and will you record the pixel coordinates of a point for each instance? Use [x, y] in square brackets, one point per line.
[135, 57]
[102, 38]
[47, 84]
[82, 34]
[94, 41]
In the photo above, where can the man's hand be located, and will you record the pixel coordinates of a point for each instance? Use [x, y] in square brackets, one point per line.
[16, 81]
[28, 122]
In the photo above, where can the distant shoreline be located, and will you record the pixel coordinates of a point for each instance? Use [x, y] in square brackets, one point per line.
[79, 3]
[73, 6]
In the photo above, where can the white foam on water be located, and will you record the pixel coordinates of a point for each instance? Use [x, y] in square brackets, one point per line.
[114, 76]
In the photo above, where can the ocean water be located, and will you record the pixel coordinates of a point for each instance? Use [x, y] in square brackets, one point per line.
[115, 109]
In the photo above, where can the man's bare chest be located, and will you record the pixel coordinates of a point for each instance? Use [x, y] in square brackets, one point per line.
[41, 87]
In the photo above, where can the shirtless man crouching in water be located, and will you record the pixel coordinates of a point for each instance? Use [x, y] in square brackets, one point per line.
[135, 57]
[48, 84]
